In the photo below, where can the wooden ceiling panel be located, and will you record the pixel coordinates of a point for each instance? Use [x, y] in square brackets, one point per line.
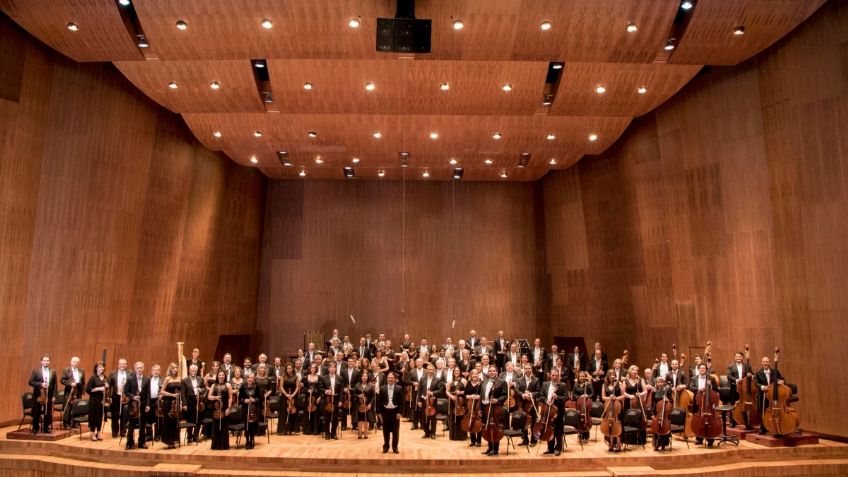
[577, 95]
[709, 38]
[237, 93]
[101, 35]
[407, 86]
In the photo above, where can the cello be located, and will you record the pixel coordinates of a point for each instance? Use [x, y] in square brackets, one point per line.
[493, 427]
[472, 422]
[544, 428]
[610, 423]
[706, 424]
[683, 398]
[746, 410]
[779, 419]
[661, 424]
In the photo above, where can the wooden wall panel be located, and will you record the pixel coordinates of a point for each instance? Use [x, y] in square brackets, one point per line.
[720, 216]
[400, 258]
[119, 230]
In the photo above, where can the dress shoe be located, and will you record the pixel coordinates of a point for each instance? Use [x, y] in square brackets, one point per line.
[488, 452]
[130, 447]
[493, 454]
[396, 451]
[548, 452]
[532, 444]
[557, 453]
[385, 450]
[432, 436]
[335, 438]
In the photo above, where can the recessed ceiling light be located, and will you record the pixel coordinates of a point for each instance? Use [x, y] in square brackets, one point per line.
[507, 87]
[215, 85]
[458, 25]
[267, 24]
[142, 42]
[551, 137]
[557, 66]
[312, 134]
[488, 162]
[73, 26]
[444, 86]
[302, 173]
[182, 25]
[686, 5]
[370, 86]
[381, 173]
[434, 135]
[739, 31]
[319, 160]
[641, 90]
[425, 174]
[354, 22]
[355, 160]
[503, 175]
[453, 161]
[259, 64]
[124, 3]
[257, 133]
[377, 134]
[496, 136]
[217, 134]
[600, 89]
[669, 44]
[173, 85]
[545, 26]
[553, 161]
[254, 160]
[307, 86]
[632, 28]
[546, 101]
[593, 137]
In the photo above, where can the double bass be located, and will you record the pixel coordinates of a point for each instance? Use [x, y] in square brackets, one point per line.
[778, 418]
[706, 424]
[746, 410]
[584, 405]
[683, 399]
[547, 412]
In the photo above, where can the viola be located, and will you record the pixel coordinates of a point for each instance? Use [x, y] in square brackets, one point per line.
[346, 399]
[311, 406]
[779, 419]
[328, 406]
[430, 408]
[746, 410]
[472, 422]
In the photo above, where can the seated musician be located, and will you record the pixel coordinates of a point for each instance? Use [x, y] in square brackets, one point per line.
[661, 392]
[583, 387]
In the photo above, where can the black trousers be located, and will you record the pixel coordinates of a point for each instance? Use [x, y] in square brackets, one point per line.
[331, 421]
[116, 413]
[391, 427]
[555, 444]
[42, 417]
[134, 423]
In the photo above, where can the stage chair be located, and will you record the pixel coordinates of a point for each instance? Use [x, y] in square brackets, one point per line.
[79, 415]
[59, 402]
[724, 389]
[235, 423]
[188, 427]
[26, 405]
[441, 413]
[596, 412]
[511, 434]
[677, 417]
[632, 424]
[273, 411]
[570, 421]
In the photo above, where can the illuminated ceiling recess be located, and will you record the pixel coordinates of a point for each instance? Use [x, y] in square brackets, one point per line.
[457, 89]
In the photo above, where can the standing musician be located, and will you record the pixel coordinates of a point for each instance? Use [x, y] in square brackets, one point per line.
[698, 383]
[429, 387]
[195, 360]
[455, 391]
[597, 369]
[736, 371]
[611, 391]
[575, 363]
[265, 385]
[493, 394]
[617, 371]
[43, 383]
[465, 364]
[219, 399]
[251, 400]
[351, 374]
[663, 367]
[134, 412]
[648, 385]
[661, 392]
[513, 356]
[414, 381]
[631, 389]
[193, 391]
[170, 394]
[289, 386]
[764, 377]
[227, 365]
[117, 380]
[473, 391]
[154, 385]
[389, 403]
[73, 378]
[472, 340]
[96, 389]
[311, 390]
[551, 359]
[331, 387]
[531, 390]
[554, 393]
[583, 387]
[537, 356]
[676, 379]
[501, 346]
[693, 370]
[362, 406]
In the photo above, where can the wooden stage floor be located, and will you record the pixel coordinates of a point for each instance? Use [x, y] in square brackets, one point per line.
[313, 456]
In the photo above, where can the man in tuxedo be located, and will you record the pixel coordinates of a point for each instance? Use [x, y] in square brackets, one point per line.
[551, 358]
[554, 393]
[764, 378]
[117, 381]
[390, 397]
[350, 374]
[736, 371]
[311, 353]
[332, 387]
[493, 395]
[513, 355]
[575, 361]
[151, 390]
[363, 349]
[537, 357]
[501, 345]
[427, 387]
[531, 389]
[43, 381]
[603, 353]
[473, 341]
[139, 399]
[329, 342]
[597, 368]
[227, 365]
[415, 377]
[193, 390]
[676, 379]
[73, 378]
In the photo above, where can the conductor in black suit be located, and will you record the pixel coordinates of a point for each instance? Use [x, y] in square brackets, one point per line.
[391, 397]
[42, 380]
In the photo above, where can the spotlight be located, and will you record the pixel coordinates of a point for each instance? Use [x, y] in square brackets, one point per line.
[348, 172]
[355, 160]
[354, 22]
[669, 44]
[425, 174]
[302, 173]
[173, 85]
[551, 137]
[370, 86]
[381, 173]
[453, 161]
[593, 137]
[259, 64]
[312, 134]
[458, 25]
[557, 66]
[215, 85]
[268, 24]
[507, 87]
[444, 86]
[142, 41]
[182, 25]
[641, 90]
[503, 175]
[319, 160]
[457, 173]
[632, 28]
[307, 86]
[254, 160]
[73, 27]
[377, 134]
[488, 162]
[739, 31]
[497, 136]
[553, 161]
[217, 134]
[600, 89]
[686, 5]
[545, 26]
[434, 135]
[124, 3]
[257, 133]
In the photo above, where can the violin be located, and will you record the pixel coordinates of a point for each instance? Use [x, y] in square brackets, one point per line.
[779, 419]
[311, 406]
[707, 422]
[291, 403]
[430, 408]
[472, 422]
[346, 399]
[746, 410]
[328, 406]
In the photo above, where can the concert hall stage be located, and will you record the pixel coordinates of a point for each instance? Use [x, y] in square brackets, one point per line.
[313, 456]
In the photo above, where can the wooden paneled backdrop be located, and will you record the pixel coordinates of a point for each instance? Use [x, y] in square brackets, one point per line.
[401, 259]
[721, 216]
[117, 229]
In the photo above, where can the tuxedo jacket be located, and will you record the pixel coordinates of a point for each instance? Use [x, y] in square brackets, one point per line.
[36, 379]
[113, 382]
[498, 392]
[132, 389]
[436, 386]
[326, 385]
[531, 385]
[351, 376]
[68, 379]
[509, 355]
[592, 366]
[501, 348]
[682, 378]
[397, 398]
[760, 377]
[188, 388]
[693, 385]
[569, 362]
[733, 373]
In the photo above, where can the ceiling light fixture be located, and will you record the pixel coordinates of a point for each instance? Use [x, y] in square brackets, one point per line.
[302, 173]
[257, 133]
[551, 137]
[444, 86]
[307, 86]
[182, 25]
[217, 134]
[497, 136]
[457, 173]
[254, 160]
[503, 175]
[319, 160]
[669, 44]
[507, 87]
[73, 27]
[557, 66]
[215, 85]
[600, 89]
[545, 26]
[488, 162]
[370, 86]
[632, 28]
[553, 161]
[267, 24]
[124, 3]
[686, 5]
[354, 22]
[547, 100]
[142, 41]
[458, 25]
[259, 64]
[173, 85]
[453, 161]
[381, 173]
[355, 160]
[593, 137]
[425, 174]
[312, 134]
[641, 90]
[739, 31]
[377, 134]
[434, 135]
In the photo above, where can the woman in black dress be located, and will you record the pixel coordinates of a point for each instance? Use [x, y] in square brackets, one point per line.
[632, 390]
[611, 390]
[583, 388]
[209, 381]
[96, 388]
[170, 392]
[455, 392]
[219, 403]
[312, 396]
[266, 384]
[473, 390]
[363, 400]
[287, 422]
[250, 398]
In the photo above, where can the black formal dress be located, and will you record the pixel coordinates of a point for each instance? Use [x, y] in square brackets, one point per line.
[287, 423]
[171, 419]
[95, 403]
[311, 419]
[220, 434]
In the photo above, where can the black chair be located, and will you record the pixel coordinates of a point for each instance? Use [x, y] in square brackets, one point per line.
[518, 420]
[632, 425]
[59, 402]
[79, 415]
[189, 427]
[571, 420]
[26, 405]
[274, 403]
[677, 418]
[596, 412]
[236, 423]
[724, 391]
[441, 413]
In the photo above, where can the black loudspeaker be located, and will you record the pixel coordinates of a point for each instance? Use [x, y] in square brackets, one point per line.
[407, 35]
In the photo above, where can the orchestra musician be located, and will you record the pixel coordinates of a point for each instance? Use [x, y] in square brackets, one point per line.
[289, 384]
[661, 392]
[414, 380]
[575, 363]
[311, 391]
[171, 389]
[581, 388]
[764, 377]
[493, 395]
[96, 389]
[193, 391]
[331, 387]
[134, 391]
[663, 367]
[537, 354]
[250, 398]
[554, 393]
[513, 356]
[632, 389]
[501, 346]
[531, 390]
[43, 383]
[154, 384]
[429, 387]
[390, 397]
[597, 368]
[362, 406]
[676, 379]
[195, 360]
[265, 385]
[73, 378]
[220, 394]
[611, 391]
[698, 383]
[117, 380]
